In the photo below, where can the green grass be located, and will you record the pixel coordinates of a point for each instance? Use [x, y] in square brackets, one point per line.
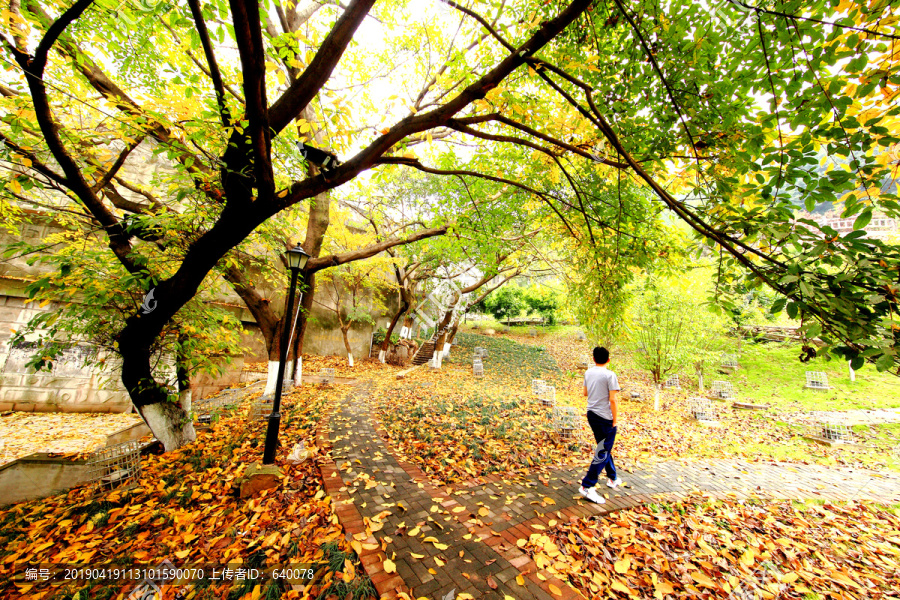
[772, 373]
[505, 357]
[478, 326]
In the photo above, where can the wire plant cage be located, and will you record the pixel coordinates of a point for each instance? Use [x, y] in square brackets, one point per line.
[584, 362]
[580, 336]
[537, 386]
[816, 380]
[326, 375]
[672, 383]
[478, 369]
[480, 352]
[532, 331]
[722, 390]
[729, 362]
[548, 395]
[565, 421]
[837, 432]
[703, 410]
[259, 410]
[207, 409]
[634, 395]
[115, 465]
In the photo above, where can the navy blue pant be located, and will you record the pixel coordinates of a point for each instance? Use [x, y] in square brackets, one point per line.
[605, 436]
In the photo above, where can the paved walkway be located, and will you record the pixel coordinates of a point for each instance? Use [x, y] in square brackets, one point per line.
[417, 538]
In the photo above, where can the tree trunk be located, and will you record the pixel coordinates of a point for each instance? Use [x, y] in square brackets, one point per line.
[272, 366]
[344, 331]
[451, 337]
[404, 305]
[442, 327]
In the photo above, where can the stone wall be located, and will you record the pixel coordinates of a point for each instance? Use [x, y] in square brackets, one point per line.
[70, 387]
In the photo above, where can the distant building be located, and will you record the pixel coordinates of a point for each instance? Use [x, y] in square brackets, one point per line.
[881, 226]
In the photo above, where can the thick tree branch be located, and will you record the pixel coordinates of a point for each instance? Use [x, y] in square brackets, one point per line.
[333, 260]
[98, 79]
[119, 239]
[117, 165]
[248, 31]
[305, 88]
[36, 163]
[372, 154]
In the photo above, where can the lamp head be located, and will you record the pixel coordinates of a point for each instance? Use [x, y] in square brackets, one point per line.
[297, 257]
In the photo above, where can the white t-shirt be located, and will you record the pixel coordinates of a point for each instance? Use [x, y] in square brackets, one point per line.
[599, 381]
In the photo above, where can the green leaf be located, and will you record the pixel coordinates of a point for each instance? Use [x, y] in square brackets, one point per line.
[884, 362]
[863, 219]
[793, 309]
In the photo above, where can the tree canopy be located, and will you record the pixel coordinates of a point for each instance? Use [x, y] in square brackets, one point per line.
[595, 124]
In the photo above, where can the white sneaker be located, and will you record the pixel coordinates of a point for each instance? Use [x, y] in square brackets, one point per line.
[614, 484]
[592, 495]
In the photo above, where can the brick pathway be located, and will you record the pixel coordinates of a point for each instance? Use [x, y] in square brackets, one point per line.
[466, 539]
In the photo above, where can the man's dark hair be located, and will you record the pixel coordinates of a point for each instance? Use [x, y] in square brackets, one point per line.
[601, 355]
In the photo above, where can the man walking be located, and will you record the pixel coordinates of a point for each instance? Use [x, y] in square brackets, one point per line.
[601, 388]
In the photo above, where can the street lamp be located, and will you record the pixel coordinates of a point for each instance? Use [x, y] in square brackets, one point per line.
[297, 260]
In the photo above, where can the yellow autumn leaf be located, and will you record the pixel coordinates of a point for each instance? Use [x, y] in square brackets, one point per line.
[182, 553]
[520, 580]
[664, 587]
[622, 566]
[554, 590]
[703, 579]
[389, 566]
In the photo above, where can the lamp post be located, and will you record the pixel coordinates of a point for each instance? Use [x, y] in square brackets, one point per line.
[297, 260]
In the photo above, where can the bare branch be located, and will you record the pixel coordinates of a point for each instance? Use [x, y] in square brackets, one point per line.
[214, 73]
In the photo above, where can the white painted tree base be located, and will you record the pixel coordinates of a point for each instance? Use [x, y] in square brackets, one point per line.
[298, 375]
[445, 352]
[170, 423]
[272, 378]
[381, 356]
[656, 399]
[350, 359]
[852, 372]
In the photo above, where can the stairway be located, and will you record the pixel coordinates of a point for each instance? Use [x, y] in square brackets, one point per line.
[425, 352]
